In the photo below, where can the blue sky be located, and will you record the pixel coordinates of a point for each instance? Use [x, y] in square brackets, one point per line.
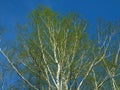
[16, 11]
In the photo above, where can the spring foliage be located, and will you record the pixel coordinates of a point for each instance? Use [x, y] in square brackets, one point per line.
[54, 52]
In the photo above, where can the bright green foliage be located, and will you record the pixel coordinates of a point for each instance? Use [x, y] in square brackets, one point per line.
[65, 35]
[55, 53]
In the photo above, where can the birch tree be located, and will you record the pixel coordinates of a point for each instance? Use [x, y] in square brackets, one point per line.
[54, 52]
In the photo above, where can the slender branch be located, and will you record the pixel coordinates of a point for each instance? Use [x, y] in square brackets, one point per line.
[107, 77]
[44, 58]
[13, 66]
[105, 51]
[95, 81]
[91, 66]
[116, 58]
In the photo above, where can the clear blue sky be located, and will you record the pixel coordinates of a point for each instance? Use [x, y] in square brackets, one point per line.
[15, 11]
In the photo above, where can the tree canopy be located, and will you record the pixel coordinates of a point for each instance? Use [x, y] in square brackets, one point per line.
[54, 52]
